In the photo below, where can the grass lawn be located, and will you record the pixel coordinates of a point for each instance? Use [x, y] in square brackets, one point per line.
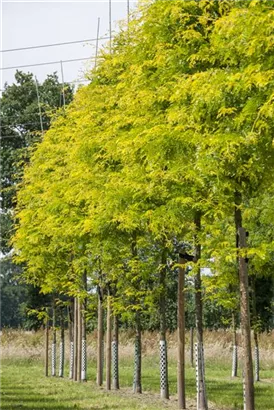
[25, 387]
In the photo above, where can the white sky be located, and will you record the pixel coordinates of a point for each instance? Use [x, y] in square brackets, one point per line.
[31, 23]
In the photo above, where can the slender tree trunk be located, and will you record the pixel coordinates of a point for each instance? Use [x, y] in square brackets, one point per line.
[70, 330]
[198, 282]
[137, 378]
[248, 380]
[200, 369]
[181, 337]
[245, 324]
[53, 351]
[100, 335]
[75, 338]
[84, 349]
[84, 338]
[137, 383]
[256, 340]
[62, 347]
[191, 347]
[47, 344]
[115, 353]
[79, 343]
[257, 357]
[163, 346]
[108, 342]
[235, 347]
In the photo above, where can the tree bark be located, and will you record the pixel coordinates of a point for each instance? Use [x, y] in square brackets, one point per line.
[84, 338]
[201, 388]
[255, 330]
[115, 353]
[235, 347]
[163, 347]
[100, 335]
[191, 347]
[62, 347]
[47, 345]
[108, 342]
[75, 338]
[79, 343]
[70, 330]
[245, 325]
[137, 378]
[53, 351]
[181, 336]
[248, 380]
[137, 383]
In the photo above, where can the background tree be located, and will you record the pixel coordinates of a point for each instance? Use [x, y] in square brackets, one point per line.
[20, 131]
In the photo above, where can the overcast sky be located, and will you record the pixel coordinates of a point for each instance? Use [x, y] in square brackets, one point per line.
[31, 23]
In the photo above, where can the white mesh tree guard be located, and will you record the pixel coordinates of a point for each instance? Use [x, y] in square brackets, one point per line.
[71, 360]
[53, 359]
[84, 360]
[257, 364]
[115, 364]
[163, 370]
[234, 361]
[62, 358]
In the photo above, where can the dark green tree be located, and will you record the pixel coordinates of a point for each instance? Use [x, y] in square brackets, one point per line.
[21, 128]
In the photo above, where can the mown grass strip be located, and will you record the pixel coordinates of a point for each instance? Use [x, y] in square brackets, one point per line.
[25, 387]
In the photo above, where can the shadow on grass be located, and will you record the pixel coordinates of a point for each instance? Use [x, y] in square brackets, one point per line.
[13, 397]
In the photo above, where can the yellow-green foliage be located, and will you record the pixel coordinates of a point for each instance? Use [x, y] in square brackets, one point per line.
[176, 120]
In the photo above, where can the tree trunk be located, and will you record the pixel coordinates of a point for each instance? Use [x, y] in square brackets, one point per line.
[115, 353]
[62, 347]
[100, 335]
[245, 325]
[79, 343]
[181, 336]
[256, 340]
[163, 347]
[191, 346]
[53, 351]
[75, 338]
[84, 339]
[47, 345]
[257, 357]
[137, 383]
[248, 380]
[108, 342]
[70, 329]
[235, 347]
[201, 388]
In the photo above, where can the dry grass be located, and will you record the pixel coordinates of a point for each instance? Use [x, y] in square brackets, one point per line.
[22, 344]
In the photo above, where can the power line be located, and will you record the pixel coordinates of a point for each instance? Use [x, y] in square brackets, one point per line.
[53, 45]
[47, 63]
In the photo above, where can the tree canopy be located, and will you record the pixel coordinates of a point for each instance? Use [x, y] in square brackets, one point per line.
[176, 123]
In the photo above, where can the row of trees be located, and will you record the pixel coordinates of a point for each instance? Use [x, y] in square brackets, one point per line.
[168, 150]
